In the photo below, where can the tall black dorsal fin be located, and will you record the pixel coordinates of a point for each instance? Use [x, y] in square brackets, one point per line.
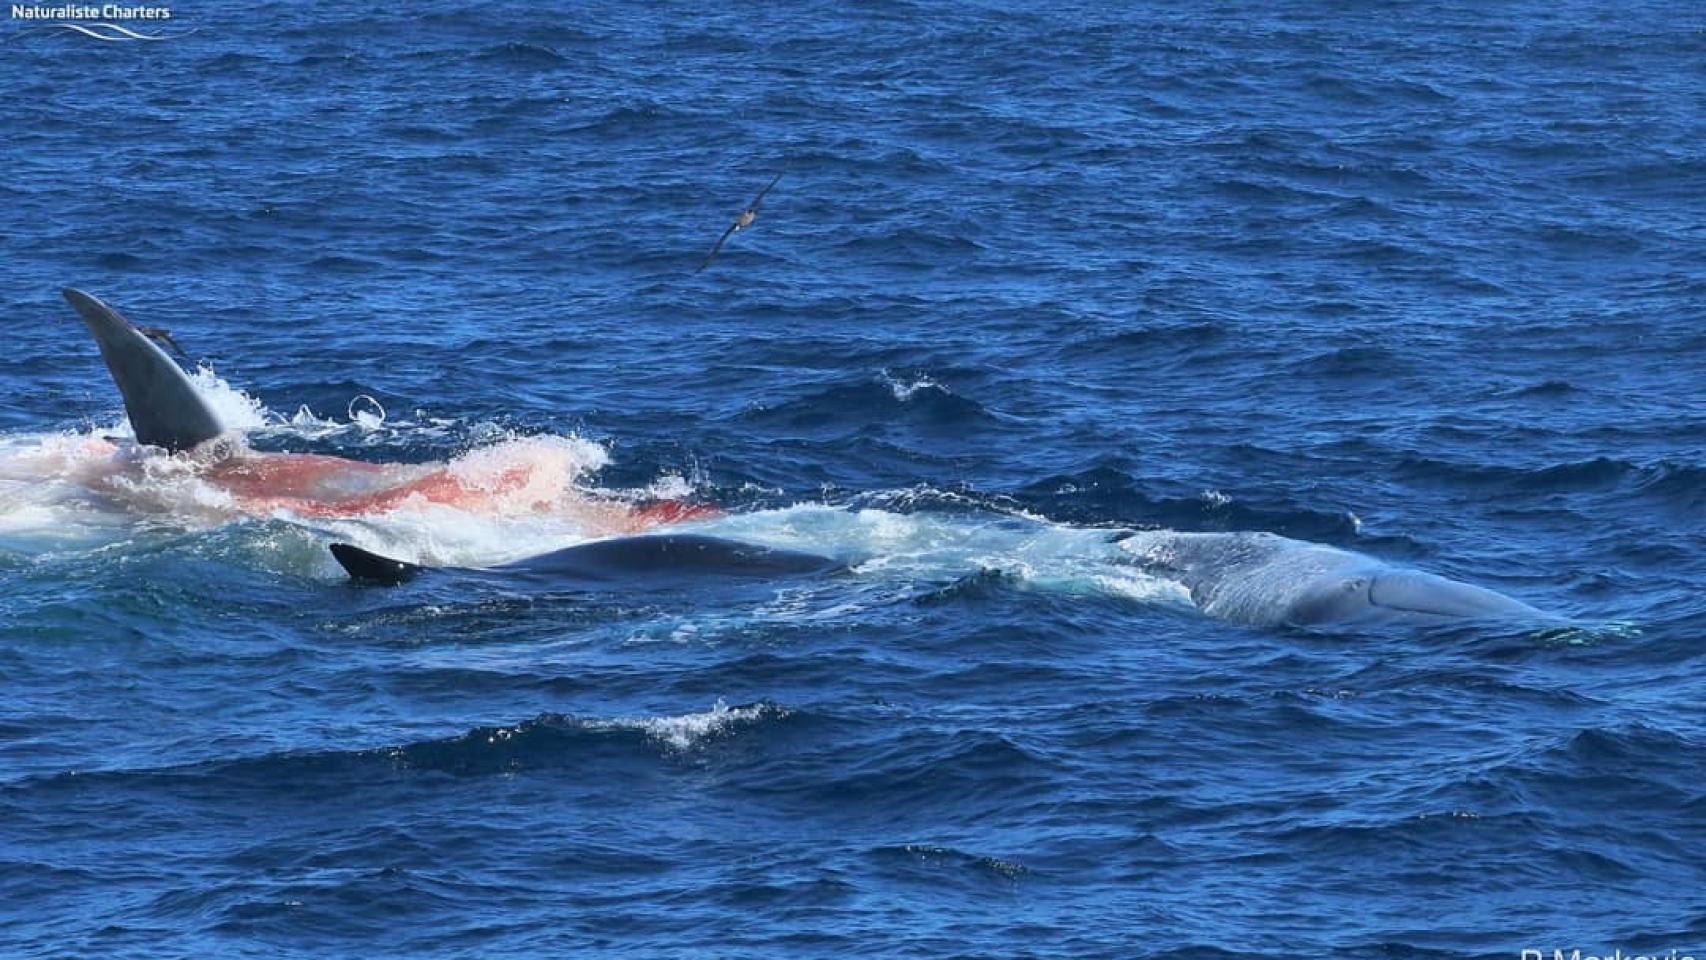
[165, 409]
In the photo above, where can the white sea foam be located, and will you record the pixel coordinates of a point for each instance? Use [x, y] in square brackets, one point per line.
[689, 730]
[914, 547]
[535, 496]
[905, 388]
[85, 488]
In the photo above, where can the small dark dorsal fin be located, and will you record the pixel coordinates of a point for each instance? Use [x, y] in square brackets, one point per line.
[368, 567]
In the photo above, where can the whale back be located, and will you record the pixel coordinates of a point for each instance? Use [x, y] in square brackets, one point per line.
[626, 562]
[672, 555]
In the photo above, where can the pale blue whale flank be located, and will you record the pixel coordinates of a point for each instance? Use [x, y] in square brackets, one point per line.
[1266, 580]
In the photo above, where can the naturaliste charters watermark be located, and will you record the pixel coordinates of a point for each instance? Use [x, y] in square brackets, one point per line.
[110, 11]
[1530, 953]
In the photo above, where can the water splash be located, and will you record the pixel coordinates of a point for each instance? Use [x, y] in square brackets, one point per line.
[687, 731]
[87, 488]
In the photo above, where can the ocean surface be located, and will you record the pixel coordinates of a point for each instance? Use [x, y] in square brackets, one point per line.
[1426, 281]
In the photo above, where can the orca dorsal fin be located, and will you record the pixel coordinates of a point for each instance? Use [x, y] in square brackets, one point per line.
[164, 408]
[366, 566]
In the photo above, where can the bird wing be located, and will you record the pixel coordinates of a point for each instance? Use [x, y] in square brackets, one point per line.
[163, 337]
[718, 245]
[760, 198]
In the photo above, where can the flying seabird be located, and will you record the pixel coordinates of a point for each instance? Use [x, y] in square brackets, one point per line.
[741, 223]
[163, 337]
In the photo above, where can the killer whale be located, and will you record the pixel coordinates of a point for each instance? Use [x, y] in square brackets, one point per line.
[1263, 579]
[658, 559]
[164, 408]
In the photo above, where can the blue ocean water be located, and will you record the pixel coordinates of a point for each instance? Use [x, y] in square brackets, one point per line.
[1420, 280]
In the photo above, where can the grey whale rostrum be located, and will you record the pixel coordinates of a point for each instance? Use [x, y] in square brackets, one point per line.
[1264, 579]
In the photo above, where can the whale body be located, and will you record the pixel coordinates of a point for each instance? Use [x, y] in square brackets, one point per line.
[1258, 579]
[1263, 579]
[652, 559]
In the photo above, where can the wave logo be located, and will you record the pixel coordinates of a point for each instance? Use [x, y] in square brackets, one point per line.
[108, 31]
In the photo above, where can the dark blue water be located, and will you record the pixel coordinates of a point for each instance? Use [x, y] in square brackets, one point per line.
[1419, 280]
